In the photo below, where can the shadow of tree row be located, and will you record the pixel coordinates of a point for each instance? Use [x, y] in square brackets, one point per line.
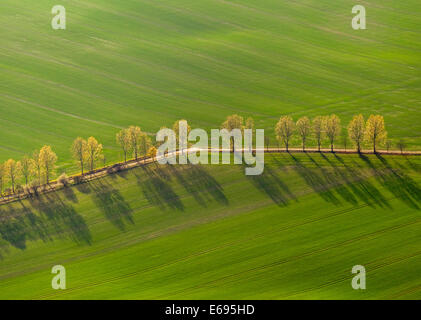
[354, 183]
[49, 216]
[158, 188]
[55, 219]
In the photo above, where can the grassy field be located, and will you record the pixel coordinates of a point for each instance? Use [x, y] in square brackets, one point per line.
[212, 232]
[149, 63]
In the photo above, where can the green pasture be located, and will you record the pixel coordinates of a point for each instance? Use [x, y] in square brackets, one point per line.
[210, 232]
[149, 63]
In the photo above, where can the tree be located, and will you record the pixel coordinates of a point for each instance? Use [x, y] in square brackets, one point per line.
[304, 129]
[2, 178]
[284, 130]
[152, 152]
[375, 131]
[144, 143]
[250, 125]
[345, 139]
[37, 166]
[181, 139]
[26, 168]
[123, 139]
[93, 151]
[233, 122]
[12, 172]
[356, 131]
[48, 160]
[79, 151]
[134, 136]
[333, 128]
[267, 142]
[319, 129]
[401, 145]
[388, 145]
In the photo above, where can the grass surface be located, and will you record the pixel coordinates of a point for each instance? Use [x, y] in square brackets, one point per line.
[212, 232]
[150, 63]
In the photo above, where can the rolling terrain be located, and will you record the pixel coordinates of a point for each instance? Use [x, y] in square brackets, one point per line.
[149, 63]
[210, 232]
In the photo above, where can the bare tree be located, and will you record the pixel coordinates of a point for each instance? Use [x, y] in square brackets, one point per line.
[375, 131]
[356, 131]
[267, 142]
[388, 145]
[401, 145]
[333, 129]
[284, 130]
[304, 129]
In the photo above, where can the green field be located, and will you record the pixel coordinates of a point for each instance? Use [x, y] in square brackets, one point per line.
[211, 232]
[149, 63]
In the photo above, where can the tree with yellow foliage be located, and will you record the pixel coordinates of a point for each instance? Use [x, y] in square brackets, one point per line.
[79, 151]
[284, 130]
[375, 131]
[332, 128]
[47, 159]
[304, 128]
[26, 168]
[232, 122]
[12, 172]
[93, 152]
[356, 131]
[135, 135]
[123, 139]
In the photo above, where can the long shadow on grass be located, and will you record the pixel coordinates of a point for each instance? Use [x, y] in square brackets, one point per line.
[319, 179]
[156, 186]
[397, 182]
[54, 219]
[197, 181]
[272, 185]
[357, 181]
[111, 203]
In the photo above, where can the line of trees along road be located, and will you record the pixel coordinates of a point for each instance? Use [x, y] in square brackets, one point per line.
[134, 143]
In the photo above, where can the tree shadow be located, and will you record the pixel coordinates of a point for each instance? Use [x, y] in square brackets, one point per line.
[53, 219]
[319, 179]
[399, 184]
[111, 203]
[157, 188]
[272, 185]
[63, 218]
[359, 185]
[83, 187]
[69, 194]
[198, 182]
